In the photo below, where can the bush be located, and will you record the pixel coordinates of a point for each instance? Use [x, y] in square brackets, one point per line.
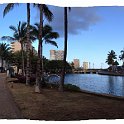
[22, 79]
[50, 85]
[71, 87]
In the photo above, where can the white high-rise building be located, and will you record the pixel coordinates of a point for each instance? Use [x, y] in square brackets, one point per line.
[56, 55]
[85, 65]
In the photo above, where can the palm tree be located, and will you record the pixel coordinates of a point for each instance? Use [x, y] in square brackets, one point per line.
[4, 52]
[61, 86]
[28, 46]
[111, 58]
[122, 56]
[48, 14]
[9, 7]
[20, 36]
[47, 34]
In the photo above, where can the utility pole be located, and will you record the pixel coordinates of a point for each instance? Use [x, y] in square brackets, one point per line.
[93, 65]
[89, 65]
[101, 65]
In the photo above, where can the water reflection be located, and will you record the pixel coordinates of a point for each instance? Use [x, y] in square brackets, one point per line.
[113, 85]
[122, 86]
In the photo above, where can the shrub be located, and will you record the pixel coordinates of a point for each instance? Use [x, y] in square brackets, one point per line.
[22, 79]
[71, 87]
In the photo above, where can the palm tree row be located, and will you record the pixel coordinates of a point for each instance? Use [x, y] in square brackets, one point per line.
[19, 34]
[112, 58]
[44, 11]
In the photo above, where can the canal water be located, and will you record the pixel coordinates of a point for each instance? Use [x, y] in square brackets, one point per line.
[113, 85]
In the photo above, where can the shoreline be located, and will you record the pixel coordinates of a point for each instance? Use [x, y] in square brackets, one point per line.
[110, 73]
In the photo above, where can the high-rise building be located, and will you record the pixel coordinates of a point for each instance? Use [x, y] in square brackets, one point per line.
[16, 46]
[85, 65]
[59, 55]
[56, 55]
[52, 55]
[76, 63]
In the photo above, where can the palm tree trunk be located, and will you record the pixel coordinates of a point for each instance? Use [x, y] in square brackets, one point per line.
[61, 86]
[1, 62]
[27, 46]
[23, 63]
[39, 61]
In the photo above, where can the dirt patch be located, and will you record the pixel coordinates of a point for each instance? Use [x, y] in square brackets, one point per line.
[53, 105]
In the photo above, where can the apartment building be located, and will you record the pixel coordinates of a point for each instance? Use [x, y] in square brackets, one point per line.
[85, 65]
[16, 46]
[56, 54]
[76, 63]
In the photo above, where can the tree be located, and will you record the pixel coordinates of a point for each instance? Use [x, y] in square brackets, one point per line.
[9, 7]
[55, 66]
[16, 60]
[4, 52]
[48, 14]
[47, 34]
[19, 34]
[28, 46]
[122, 56]
[110, 58]
[61, 86]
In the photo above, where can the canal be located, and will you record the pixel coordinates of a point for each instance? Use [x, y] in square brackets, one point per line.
[113, 85]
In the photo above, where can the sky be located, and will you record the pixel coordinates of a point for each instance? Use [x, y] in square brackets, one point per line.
[93, 31]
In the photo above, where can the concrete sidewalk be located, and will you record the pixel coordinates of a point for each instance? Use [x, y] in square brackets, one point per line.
[8, 108]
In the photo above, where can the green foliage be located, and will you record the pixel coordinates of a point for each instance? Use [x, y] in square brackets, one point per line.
[116, 63]
[9, 7]
[16, 58]
[67, 87]
[72, 65]
[47, 35]
[111, 57]
[5, 52]
[71, 87]
[55, 66]
[19, 33]
[122, 57]
[47, 13]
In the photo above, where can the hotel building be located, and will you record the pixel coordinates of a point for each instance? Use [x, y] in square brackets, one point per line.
[56, 54]
[85, 65]
[16, 46]
[76, 63]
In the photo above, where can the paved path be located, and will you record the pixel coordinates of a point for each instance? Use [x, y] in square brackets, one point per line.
[8, 108]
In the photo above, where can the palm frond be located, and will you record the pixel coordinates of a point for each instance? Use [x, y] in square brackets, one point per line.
[48, 14]
[13, 28]
[23, 26]
[51, 35]
[47, 29]
[51, 42]
[7, 38]
[37, 25]
[9, 7]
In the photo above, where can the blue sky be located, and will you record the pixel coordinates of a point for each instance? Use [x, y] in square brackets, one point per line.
[92, 31]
